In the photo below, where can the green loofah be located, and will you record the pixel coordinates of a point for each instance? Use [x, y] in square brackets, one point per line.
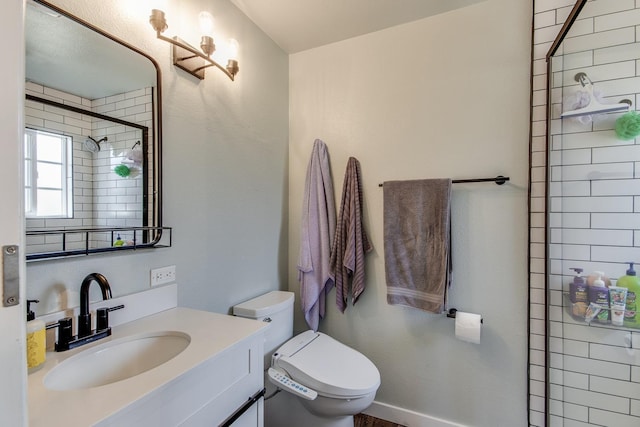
[122, 170]
[628, 126]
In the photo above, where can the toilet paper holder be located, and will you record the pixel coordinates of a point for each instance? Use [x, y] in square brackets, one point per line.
[452, 314]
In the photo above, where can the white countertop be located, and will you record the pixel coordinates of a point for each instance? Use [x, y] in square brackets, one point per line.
[210, 333]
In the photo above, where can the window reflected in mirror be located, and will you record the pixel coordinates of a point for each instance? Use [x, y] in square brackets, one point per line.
[48, 188]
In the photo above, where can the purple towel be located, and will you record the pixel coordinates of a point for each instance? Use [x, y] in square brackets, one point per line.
[350, 243]
[317, 230]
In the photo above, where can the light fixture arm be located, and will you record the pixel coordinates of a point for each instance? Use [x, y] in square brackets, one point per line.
[186, 56]
[180, 59]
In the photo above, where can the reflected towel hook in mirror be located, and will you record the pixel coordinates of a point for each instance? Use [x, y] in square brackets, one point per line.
[594, 106]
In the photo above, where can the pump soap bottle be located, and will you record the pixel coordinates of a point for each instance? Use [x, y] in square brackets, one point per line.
[632, 283]
[36, 339]
[578, 294]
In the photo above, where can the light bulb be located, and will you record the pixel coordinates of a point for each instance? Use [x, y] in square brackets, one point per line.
[205, 19]
[157, 20]
[232, 52]
[233, 49]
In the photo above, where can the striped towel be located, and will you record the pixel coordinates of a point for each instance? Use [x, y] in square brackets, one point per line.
[350, 243]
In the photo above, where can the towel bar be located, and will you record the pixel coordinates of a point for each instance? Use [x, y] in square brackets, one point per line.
[499, 180]
[452, 314]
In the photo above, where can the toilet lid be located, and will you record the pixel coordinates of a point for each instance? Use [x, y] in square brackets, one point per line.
[327, 366]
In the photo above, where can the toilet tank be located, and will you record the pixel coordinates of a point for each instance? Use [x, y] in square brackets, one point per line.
[275, 307]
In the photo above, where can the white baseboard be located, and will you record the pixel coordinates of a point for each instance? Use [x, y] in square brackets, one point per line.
[406, 417]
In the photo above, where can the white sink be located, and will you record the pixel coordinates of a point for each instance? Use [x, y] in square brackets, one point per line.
[116, 360]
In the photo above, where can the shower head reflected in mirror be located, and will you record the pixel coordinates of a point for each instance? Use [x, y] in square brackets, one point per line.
[92, 145]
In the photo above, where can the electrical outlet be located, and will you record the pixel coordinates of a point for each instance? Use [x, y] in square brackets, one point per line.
[162, 275]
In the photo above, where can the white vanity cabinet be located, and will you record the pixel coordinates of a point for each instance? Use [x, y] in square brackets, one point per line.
[216, 374]
[206, 395]
[231, 381]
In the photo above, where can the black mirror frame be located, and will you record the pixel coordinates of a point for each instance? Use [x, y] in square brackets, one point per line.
[154, 233]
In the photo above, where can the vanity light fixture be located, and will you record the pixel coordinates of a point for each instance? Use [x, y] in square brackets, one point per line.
[189, 58]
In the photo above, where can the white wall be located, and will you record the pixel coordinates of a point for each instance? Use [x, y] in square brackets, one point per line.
[225, 166]
[549, 16]
[446, 96]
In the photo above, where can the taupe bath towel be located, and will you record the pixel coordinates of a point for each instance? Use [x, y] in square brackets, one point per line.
[416, 242]
[350, 243]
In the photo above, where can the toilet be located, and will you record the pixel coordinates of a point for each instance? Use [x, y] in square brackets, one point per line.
[312, 379]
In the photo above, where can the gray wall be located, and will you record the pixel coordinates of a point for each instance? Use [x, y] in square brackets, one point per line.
[446, 96]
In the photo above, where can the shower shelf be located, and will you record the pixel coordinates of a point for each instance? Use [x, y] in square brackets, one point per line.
[61, 243]
[570, 310]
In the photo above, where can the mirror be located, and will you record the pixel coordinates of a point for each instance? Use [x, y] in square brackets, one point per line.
[92, 139]
[593, 212]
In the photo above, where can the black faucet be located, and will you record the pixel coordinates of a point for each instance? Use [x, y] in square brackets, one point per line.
[84, 318]
[66, 339]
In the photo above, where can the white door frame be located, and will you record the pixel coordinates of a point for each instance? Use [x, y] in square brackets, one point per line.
[13, 391]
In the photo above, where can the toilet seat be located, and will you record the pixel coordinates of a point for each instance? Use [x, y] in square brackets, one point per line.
[327, 366]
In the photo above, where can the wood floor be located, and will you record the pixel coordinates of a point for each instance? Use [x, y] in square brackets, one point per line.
[363, 420]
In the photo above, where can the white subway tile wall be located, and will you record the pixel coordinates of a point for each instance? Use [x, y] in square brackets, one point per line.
[546, 26]
[101, 198]
[594, 372]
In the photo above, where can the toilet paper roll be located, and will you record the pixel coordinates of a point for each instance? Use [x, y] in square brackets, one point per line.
[468, 327]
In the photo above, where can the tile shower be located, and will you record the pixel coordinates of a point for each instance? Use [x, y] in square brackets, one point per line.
[593, 377]
[100, 197]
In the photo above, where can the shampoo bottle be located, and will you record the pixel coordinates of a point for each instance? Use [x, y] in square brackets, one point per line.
[36, 339]
[632, 283]
[578, 294]
[119, 241]
[599, 294]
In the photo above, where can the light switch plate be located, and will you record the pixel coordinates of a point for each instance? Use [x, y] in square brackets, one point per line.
[160, 276]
